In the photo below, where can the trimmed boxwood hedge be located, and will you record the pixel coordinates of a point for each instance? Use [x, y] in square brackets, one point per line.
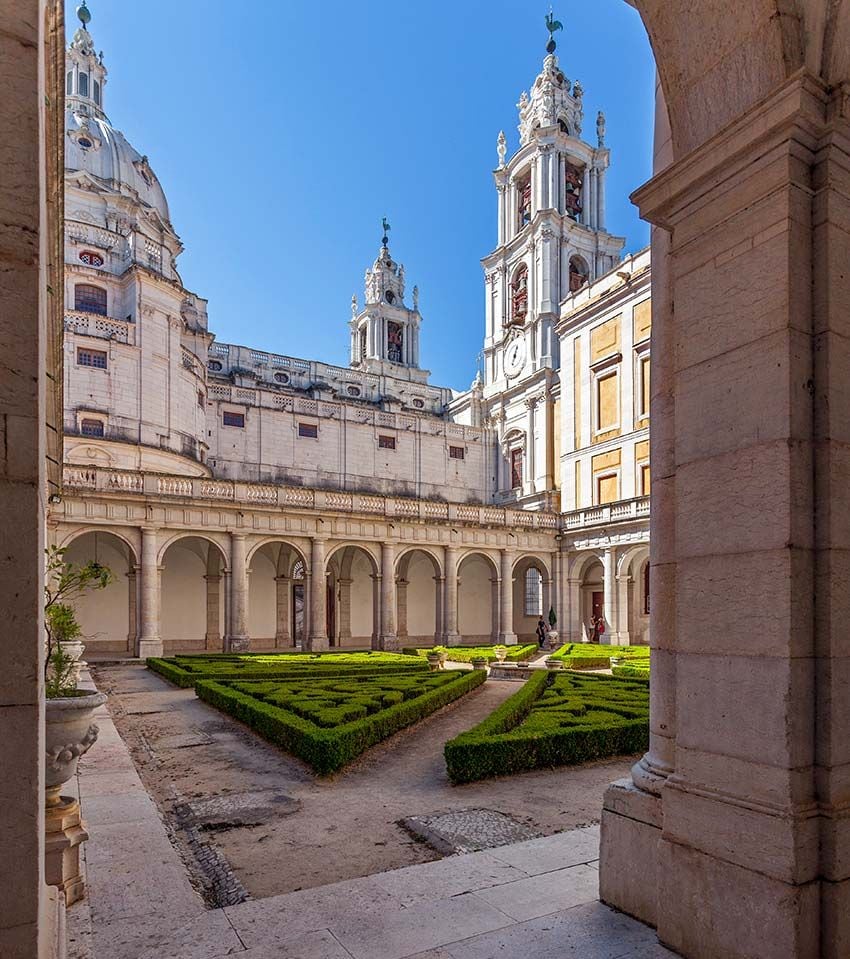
[185, 671]
[465, 654]
[556, 719]
[596, 655]
[638, 669]
[359, 712]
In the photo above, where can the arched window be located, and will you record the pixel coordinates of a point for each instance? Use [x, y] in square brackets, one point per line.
[97, 92]
[83, 85]
[523, 197]
[578, 273]
[281, 378]
[573, 186]
[519, 295]
[562, 126]
[298, 570]
[69, 82]
[214, 366]
[533, 592]
[90, 299]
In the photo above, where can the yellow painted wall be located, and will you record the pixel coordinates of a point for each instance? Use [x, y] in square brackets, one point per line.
[576, 393]
[605, 339]
[642, 320]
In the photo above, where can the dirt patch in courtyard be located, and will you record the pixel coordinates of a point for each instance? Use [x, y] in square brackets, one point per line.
[280, 828]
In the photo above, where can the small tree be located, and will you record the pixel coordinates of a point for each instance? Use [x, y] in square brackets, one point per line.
[65, 582]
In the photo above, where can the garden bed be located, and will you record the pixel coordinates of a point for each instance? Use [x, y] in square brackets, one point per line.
[596, 655]
[185, 671]
[556, 719]
[328, 723]
[465, 654]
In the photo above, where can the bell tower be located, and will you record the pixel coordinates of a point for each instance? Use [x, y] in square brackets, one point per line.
[551, 236]
[385, 333]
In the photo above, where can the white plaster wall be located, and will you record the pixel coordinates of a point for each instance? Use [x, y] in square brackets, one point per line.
[103, 614]
[361, 600]
[184, 594]
[421, 598]
[474, 599]
[262, 597]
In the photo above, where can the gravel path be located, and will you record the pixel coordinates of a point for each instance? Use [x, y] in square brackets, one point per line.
[280, 828]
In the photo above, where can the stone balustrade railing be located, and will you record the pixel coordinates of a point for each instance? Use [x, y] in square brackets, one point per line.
[94, 479]
[619, 512]
[103, 327]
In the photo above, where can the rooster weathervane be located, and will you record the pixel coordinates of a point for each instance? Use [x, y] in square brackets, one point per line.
[552, 25]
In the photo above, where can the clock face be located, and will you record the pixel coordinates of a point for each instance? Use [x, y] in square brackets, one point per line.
[514, 357]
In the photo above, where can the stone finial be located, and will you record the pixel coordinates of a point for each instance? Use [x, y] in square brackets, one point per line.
[354, 310]
[501, 148]
[600, 128]
[578, 90]
[415, 297]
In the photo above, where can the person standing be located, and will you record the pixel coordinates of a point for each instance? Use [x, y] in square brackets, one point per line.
[542, 629]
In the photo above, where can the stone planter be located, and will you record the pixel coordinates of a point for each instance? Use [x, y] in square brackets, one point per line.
[434, 661]
[500, 652]
[552, 640]
[553, 664]
[69, 733]
[480, 662]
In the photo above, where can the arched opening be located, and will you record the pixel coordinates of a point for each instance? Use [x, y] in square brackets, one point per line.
[478, 600]
[353, 598]
[579, 273]
[107, 617]
[276, 596]
[89, 298]
[531, 597]
[519, 295]
[418, 598]
[192, 591]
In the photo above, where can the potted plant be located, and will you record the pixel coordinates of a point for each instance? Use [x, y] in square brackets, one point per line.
[500, 652]
[70, 731]
[479, 662]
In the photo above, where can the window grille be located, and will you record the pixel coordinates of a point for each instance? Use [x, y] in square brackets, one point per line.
[457, 452]
[533, 592]
[92, 428]
[95, 358]
[90, 299]
[308, 430]
[386, 442]
[230, 418]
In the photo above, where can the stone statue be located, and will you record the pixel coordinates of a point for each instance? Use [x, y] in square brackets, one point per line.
[600, 128]
[578, 90]
[353, 305]
[501, 148]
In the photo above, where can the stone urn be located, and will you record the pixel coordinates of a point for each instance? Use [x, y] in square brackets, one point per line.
[434, 661]
[69, 732]
[552, 639]
[479, 662]
[500, 652]
[552, 663]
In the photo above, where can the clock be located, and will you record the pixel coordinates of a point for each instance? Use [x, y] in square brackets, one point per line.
[514, 356]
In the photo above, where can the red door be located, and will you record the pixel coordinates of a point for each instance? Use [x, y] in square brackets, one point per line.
[598, 602]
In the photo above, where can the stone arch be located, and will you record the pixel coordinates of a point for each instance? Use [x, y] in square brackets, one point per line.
[352, 574]
[527, 614]
[108, 617]
[419, 596]
[478, 598]
[193, 570]
[276, 602]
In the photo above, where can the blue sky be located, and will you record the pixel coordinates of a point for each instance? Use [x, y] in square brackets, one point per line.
[283, 131]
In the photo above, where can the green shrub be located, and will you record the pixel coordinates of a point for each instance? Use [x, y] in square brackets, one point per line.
[465, 654]
[596, 655]
[556, 719]
[638, 669]
[330, 723]
[185, 671]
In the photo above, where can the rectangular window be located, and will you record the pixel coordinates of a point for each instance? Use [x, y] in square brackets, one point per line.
[523, 201]
[230, 418]
[645, 479]
[83, 84]
[607, 402]
[201, 398]
[643, 387]
[533, 593]
[309, 430]
[607, 489]
[91, 427]
[95, 358]
[516, 469]
[386, 442]
[457, 452]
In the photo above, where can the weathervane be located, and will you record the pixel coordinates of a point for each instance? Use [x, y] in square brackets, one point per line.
[83, 14]
[552, 25]
[386, 228]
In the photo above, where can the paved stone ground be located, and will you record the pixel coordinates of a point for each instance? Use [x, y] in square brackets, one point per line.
[468, 830]
[281, 828]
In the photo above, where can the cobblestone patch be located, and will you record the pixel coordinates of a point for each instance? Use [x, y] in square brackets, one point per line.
[468, 830]
[241, 809]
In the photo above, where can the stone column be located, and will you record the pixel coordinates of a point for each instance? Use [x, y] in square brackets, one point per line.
[753, 490]
[212, 639]
[344, 611]
[283, 613]
[530, 446]
[150, 642]
[132, 610]
[401, 605]
[439, 615]
[388, 637]
[450, 636]
[495, 612]
[621, 631]
[609, 585]
[238, 639]
[507, 636]
[575, 628]
[317, 638]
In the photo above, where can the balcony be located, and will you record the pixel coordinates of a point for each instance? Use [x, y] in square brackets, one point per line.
[102, 327]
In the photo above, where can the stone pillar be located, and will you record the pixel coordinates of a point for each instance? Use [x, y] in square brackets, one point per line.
[450, 636]
[755, 807]
[507, 636]
[439, 613]
[132, 610]
[344, 611]
[401, 606]
[620, 635]
[494, 609]
[212, 638]
[388, 638]
[150, 642]
[575, 626]
[317, 638]
[609, 586]
[238, 638]
[530, 446]
[283, 613]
